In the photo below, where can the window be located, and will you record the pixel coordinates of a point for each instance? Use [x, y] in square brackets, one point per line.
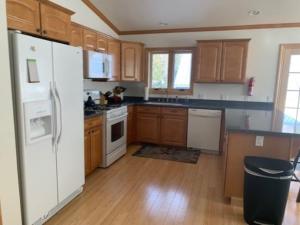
[288, 89]
[171, 70]
[292, 99]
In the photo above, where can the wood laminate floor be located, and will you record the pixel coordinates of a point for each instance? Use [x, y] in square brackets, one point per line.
[140, 191]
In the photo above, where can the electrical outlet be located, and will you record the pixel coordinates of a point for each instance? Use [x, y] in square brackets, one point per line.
[259, 141]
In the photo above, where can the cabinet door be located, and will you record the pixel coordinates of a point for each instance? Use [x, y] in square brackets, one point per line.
[234, 60]
[76, 38]
[173, 130]
[23, 15]
[101, 43]
[131, 61]
[130, 126]
[89, 40]
[96, 147]
[209, 61]
[55, 23]
[87, 152]
[114, 50]
[148, 128]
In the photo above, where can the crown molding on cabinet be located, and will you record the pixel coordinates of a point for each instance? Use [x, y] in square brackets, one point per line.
[59, 7]
[101, 15]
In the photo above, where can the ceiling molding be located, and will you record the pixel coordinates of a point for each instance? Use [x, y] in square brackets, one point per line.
[101, 15]
[186, 30]
[219, 28]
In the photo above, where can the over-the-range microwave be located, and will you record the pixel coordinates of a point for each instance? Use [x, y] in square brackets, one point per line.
[97, 65]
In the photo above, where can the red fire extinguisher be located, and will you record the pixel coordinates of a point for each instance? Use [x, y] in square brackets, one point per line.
[251, 86]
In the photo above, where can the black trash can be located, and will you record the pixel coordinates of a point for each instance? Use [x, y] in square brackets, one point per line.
[266, 188]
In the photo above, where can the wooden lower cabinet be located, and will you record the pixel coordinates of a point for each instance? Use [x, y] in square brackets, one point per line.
[173, 130]
[240, 145]
[162, 125]
[93, 144]
[131, 125]
[87, 152]
[148, 128]
[96, 147]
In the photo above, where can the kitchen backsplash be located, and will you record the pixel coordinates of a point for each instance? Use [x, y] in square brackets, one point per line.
[102, 86]
[228, 92]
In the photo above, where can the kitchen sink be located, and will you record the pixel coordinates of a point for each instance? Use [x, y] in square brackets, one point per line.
[164, 103]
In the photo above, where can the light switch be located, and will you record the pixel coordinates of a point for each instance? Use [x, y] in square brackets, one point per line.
[259, 141]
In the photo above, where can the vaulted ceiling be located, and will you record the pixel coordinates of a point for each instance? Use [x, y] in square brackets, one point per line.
[128, 15]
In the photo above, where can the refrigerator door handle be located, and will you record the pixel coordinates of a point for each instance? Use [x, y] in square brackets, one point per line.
[60, 114]
[54, 110]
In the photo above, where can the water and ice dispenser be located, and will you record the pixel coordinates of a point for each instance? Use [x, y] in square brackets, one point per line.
[38, 121]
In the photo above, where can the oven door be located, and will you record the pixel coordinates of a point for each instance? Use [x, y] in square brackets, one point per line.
[116, 133]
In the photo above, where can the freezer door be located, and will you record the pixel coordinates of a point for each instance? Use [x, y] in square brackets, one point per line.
[37, 158]
[68, 78]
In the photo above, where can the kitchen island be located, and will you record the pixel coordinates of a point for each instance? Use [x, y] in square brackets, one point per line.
[266, 133]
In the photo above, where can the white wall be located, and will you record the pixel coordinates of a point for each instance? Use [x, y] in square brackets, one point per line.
[9, 187]
[83, 15]
[262, 59]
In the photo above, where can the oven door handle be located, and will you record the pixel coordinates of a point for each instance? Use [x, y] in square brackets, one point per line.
[117, 118]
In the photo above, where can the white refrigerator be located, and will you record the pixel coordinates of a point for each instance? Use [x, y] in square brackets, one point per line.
[48, 86]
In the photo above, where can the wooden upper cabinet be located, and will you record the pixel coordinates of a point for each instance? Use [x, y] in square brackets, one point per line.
[234, 61]
[89, 40]
[76, 38]
[114, 50]
[101, 43]
[132, 61]
[209, 61]
[24, 15]
[222, 61]
[56, 23]
[40, 17]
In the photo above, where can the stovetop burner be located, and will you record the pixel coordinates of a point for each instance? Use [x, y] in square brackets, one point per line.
[97, 108]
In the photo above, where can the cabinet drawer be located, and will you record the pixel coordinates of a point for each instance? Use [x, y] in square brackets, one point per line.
[174, 111]
[93, 122]
[148, 109]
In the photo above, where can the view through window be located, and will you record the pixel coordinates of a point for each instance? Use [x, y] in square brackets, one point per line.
[171, 70]
[292, 101]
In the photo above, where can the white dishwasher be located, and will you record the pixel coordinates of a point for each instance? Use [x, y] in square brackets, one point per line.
[204, 128]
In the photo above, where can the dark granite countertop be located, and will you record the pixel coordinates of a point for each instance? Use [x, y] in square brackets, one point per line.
[261, 122]
[97, 113]
[250, 117]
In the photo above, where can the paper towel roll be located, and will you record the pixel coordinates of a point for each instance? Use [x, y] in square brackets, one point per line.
[146, 96]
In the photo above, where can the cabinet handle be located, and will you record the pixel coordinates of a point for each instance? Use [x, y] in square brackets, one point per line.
[44, 32]
[38, 30]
